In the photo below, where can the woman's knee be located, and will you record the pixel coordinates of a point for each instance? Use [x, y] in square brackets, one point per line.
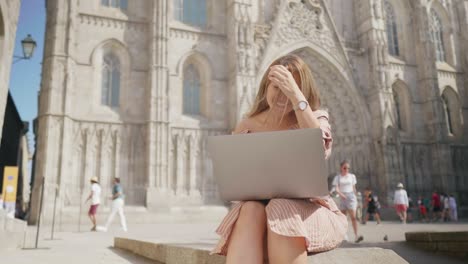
[252, 209]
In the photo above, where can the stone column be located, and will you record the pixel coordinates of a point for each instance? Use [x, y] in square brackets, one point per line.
[158, 124]
[53, 146]
[240, 36]
[462, 8]
[10, 14]
[193, 191]
[370, 22]
[180, 156]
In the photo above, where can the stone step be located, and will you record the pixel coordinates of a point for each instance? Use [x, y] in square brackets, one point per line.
[198, 253]
[444, 243]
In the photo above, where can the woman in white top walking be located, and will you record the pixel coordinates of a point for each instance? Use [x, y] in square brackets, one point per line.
[401, 203]
[345, 185]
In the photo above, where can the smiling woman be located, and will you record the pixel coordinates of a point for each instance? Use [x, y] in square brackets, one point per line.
[292, 227]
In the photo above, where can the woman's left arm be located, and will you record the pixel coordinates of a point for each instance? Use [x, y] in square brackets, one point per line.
[281, 77]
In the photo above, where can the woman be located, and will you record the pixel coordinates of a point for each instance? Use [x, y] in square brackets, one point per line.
[286, 228]
[401, 203]
[345, 184]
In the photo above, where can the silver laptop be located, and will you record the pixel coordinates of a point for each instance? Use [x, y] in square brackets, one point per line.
[266, 165]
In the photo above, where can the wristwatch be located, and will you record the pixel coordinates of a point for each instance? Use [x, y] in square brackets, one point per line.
[302, 105]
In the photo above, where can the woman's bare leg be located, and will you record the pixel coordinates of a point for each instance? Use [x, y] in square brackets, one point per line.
[246, 242]
[283, 249]
[352, 214]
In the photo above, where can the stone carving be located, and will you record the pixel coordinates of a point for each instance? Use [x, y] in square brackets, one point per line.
[377, 8]
[262, 34]
[197, 36]
[306, 21]
[140, 26]
[188, 160]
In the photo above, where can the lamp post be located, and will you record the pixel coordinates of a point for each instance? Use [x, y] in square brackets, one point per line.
[28, 44]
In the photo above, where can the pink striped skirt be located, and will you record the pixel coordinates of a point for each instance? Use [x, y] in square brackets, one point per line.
[318, 220]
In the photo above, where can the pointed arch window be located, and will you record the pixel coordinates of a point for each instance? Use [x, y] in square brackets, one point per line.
[111, 72]
[398, 109]
[191, 95]
[121, 4]
[392, 31]
[437, 35]
[448, 114]
[192, 12]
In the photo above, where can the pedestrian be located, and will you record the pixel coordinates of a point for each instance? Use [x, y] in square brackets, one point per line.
[400, 200]
[117, 206]
[422, 209]
[95, 197]
[365, 204]
[453, 208]
[373, 207]
[446, 208]
[409, 211]
[435, 203]
[345, 184]
[283, 230]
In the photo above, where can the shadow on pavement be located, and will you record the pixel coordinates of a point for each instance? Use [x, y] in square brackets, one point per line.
[409, 253]
[132, 258]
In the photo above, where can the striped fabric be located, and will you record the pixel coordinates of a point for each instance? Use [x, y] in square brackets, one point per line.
[318, 219]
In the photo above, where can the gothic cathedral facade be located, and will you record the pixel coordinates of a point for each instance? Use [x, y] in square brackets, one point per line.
[132, 89]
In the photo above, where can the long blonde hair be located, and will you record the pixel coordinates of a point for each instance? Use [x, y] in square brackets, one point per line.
[303, 77]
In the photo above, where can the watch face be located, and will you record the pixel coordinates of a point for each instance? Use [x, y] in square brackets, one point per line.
[302, 105]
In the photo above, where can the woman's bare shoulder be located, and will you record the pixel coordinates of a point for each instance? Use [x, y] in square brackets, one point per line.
[243, 126]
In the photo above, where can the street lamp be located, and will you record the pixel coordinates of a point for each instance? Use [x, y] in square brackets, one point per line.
[28, 44]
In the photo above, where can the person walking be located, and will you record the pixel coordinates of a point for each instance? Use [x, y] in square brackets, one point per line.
[422, 210]
[345, 184]
[453, 208]
[365, 204]
[95, 197]
[435, 203]
[400, 200]
[373, 207]
[117, 206]
[410, 210]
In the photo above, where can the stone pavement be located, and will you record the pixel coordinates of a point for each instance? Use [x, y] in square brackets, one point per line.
[96, 247]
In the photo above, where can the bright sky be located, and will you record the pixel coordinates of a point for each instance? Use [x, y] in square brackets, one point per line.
[25, 78]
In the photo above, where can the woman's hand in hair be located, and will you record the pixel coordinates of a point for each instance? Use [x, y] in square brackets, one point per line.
[282, 78]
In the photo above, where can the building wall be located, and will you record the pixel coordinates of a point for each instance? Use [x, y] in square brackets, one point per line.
[9, 13]
[160, 153]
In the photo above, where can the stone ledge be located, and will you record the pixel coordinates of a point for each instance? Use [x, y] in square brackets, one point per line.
[198, 253]
[461, 236]
[11, 231]
[444, 243]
